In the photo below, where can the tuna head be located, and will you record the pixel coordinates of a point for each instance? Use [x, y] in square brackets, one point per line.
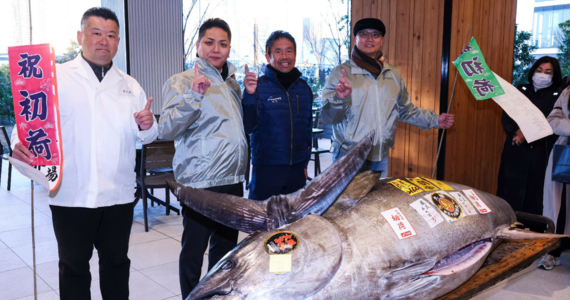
[316, 254]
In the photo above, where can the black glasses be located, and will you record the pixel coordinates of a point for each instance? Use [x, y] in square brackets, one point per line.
[365, 34]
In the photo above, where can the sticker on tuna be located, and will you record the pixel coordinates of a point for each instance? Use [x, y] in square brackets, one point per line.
[406, 187]
[467, 206]
[477, 202]
[282, 242]
[439, 184]
[446, 204]
[399, 223]
[424, 184]
[427, 211]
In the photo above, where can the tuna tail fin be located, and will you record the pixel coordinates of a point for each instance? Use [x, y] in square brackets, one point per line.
[322, 192]
[517, 233]
[235, 212]
[250, 215]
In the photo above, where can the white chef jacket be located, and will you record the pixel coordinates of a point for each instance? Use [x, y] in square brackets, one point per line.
[99, 135]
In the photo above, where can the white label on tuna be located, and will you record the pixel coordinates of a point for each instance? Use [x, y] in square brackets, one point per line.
[427, 211]
[467, 206]
[477, 202]
[450, 209]
[399, 223]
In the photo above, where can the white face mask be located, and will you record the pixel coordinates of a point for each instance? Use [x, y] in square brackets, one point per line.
[541, 80]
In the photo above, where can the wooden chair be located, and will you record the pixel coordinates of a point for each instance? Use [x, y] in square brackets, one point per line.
[156, 160]
[5, 143]
[315, 150]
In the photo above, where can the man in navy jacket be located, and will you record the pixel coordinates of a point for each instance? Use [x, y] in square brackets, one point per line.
[277, 113]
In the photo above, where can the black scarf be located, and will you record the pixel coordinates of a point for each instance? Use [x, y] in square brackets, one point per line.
[286, 79]
[373, 65]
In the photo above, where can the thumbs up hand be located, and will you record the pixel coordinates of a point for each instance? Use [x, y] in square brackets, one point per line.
[250, 81]
[144, 118]
[343, 89]
[200, 83]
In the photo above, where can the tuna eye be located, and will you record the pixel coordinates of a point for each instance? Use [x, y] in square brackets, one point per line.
[227, 265]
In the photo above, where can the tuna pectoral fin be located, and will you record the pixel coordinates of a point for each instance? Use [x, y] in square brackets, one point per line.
[235, 212]
[321, 193]
[516, 233]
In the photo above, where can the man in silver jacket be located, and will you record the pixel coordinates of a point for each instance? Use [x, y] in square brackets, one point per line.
[366, 94]
[203, 114]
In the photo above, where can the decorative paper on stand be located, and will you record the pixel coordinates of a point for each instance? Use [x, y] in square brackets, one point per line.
[36, 107]
[476, 74]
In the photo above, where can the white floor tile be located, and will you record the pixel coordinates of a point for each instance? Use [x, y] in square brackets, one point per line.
[23, 221]
[10, 261]
[139, 236]
[51, 295]
[19, 283]
[23, 236]
[140, 288]
[154, 253]
[166, 275]
[45, 252]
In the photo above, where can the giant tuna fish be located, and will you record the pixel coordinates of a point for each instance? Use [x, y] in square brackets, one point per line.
[381, 239]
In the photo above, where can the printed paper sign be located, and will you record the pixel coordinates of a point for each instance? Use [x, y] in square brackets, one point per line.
[446, 204]
[479, 78]
[280, 264]
[427, 211]
[406, 187]
[399, 223]
[467, 206]
[477, 202]
[528, 117]
[424, 184]
[36, 107]
[439, 184]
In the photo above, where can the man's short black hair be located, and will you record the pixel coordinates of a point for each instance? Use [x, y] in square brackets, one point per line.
[101, 12]
[278, 34]
[214, 22]
[556, 72]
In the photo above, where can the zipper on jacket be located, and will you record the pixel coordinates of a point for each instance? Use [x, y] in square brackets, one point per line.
[290, 116]
[297, 105]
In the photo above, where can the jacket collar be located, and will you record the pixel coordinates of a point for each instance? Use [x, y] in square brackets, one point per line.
[356, 70]
[210, 71]
[82, 68]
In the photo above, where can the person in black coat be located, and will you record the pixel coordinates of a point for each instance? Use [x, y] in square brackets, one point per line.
[523, 165]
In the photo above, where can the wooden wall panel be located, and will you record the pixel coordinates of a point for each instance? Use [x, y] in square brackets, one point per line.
[475, 143]
[413, 43]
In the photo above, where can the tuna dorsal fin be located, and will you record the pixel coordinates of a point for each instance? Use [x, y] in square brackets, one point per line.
[356, 190]
[235, 212]
[517, 233]
[321, 193]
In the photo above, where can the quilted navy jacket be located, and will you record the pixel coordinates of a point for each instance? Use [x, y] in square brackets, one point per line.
[280, 121]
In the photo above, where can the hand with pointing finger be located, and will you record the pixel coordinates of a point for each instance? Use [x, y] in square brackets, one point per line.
[144, 118]
[343, 89]
[250, 81]
[200, 83]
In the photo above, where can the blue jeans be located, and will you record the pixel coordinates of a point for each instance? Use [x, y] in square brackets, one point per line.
[378, 166]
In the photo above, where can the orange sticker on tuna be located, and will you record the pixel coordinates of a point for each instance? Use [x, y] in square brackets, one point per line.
[406, 187]
[439, 184]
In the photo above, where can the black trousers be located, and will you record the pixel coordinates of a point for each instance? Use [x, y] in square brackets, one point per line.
[271, 180]
[197, 231]
[77, 231]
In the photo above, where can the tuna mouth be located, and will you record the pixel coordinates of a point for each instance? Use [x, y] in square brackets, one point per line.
[462, 259]
[222, 290]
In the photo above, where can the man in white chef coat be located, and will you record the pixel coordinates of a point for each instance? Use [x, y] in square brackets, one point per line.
[103, 113]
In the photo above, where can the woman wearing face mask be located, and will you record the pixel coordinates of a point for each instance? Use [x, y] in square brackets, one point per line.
[523, 165]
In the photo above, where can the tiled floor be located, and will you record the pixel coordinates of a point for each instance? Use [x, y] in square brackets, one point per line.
[154, 254]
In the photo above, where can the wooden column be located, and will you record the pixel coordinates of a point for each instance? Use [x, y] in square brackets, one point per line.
[413, 43]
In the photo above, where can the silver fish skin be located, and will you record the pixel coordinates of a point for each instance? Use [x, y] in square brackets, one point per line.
[351, 252]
